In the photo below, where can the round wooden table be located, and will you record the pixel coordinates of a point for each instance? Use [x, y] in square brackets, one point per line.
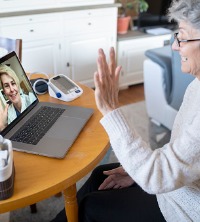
[39, 177]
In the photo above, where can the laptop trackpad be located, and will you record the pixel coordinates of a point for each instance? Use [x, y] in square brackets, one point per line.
[70, 128]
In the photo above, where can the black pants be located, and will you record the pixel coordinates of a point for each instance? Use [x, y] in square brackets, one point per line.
[130, 204]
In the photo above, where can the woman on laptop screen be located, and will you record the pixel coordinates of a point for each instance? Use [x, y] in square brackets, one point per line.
[13, 100]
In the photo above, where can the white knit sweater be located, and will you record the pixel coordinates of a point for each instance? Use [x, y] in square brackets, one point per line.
[171, 172]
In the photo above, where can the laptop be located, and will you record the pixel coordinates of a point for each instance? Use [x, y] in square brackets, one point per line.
[66, 121]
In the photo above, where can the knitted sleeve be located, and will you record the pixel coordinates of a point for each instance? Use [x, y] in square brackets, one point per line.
[162, 170]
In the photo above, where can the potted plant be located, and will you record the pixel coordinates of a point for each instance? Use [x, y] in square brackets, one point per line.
[127, 5]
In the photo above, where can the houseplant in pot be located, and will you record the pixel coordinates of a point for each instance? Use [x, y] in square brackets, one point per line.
[123, 17]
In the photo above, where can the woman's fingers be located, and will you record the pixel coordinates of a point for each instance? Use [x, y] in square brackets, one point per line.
[4, 116]
[112, 64]
[6, 108]
[106, 81]
[103, 70]
[117, 186]
[96, 81]
[113, 171]
[107, 184]
[104, 63]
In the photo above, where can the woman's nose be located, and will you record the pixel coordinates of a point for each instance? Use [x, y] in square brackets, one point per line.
[11, 88]
[175, 47]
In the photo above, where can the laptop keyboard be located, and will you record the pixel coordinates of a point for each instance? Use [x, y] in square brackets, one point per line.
[36, 127]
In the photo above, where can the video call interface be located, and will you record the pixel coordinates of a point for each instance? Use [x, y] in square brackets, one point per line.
[11, 90]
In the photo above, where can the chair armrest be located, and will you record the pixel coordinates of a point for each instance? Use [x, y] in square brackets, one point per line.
[163, 56]
[157, 106]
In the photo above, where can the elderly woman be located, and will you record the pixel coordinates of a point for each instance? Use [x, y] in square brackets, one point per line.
[155, 185]
[10, 84]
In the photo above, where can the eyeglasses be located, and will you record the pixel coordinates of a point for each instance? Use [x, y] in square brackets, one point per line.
[178, 41]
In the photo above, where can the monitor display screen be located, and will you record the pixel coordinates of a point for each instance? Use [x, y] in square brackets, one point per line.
[16, 92]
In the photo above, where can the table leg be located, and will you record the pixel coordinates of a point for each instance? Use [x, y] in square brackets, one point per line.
[71, 205]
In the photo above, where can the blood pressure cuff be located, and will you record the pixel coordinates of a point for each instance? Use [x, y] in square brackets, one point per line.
[40, 85]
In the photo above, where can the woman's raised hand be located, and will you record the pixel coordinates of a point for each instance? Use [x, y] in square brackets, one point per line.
[4, 116]
[106, 80]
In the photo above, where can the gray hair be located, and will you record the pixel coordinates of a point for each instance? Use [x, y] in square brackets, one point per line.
[185, 10]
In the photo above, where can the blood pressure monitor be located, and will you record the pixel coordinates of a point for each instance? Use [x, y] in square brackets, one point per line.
[63, 88]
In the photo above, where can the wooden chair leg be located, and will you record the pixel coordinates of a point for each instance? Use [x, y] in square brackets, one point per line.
[33, 208]
[58, 194]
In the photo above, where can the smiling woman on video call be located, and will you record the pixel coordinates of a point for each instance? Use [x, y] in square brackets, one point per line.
[19, 101]
[151, 185]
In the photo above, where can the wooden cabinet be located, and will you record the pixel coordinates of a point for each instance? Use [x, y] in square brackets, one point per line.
[42, 56]
[84, 2]
[20, 5]
[81, 56]
[87, 34]
[41, 40]
[130, 54]
[24, 5]
[65, 42]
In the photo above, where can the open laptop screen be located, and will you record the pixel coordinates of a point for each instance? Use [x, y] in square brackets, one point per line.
[16, 93]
